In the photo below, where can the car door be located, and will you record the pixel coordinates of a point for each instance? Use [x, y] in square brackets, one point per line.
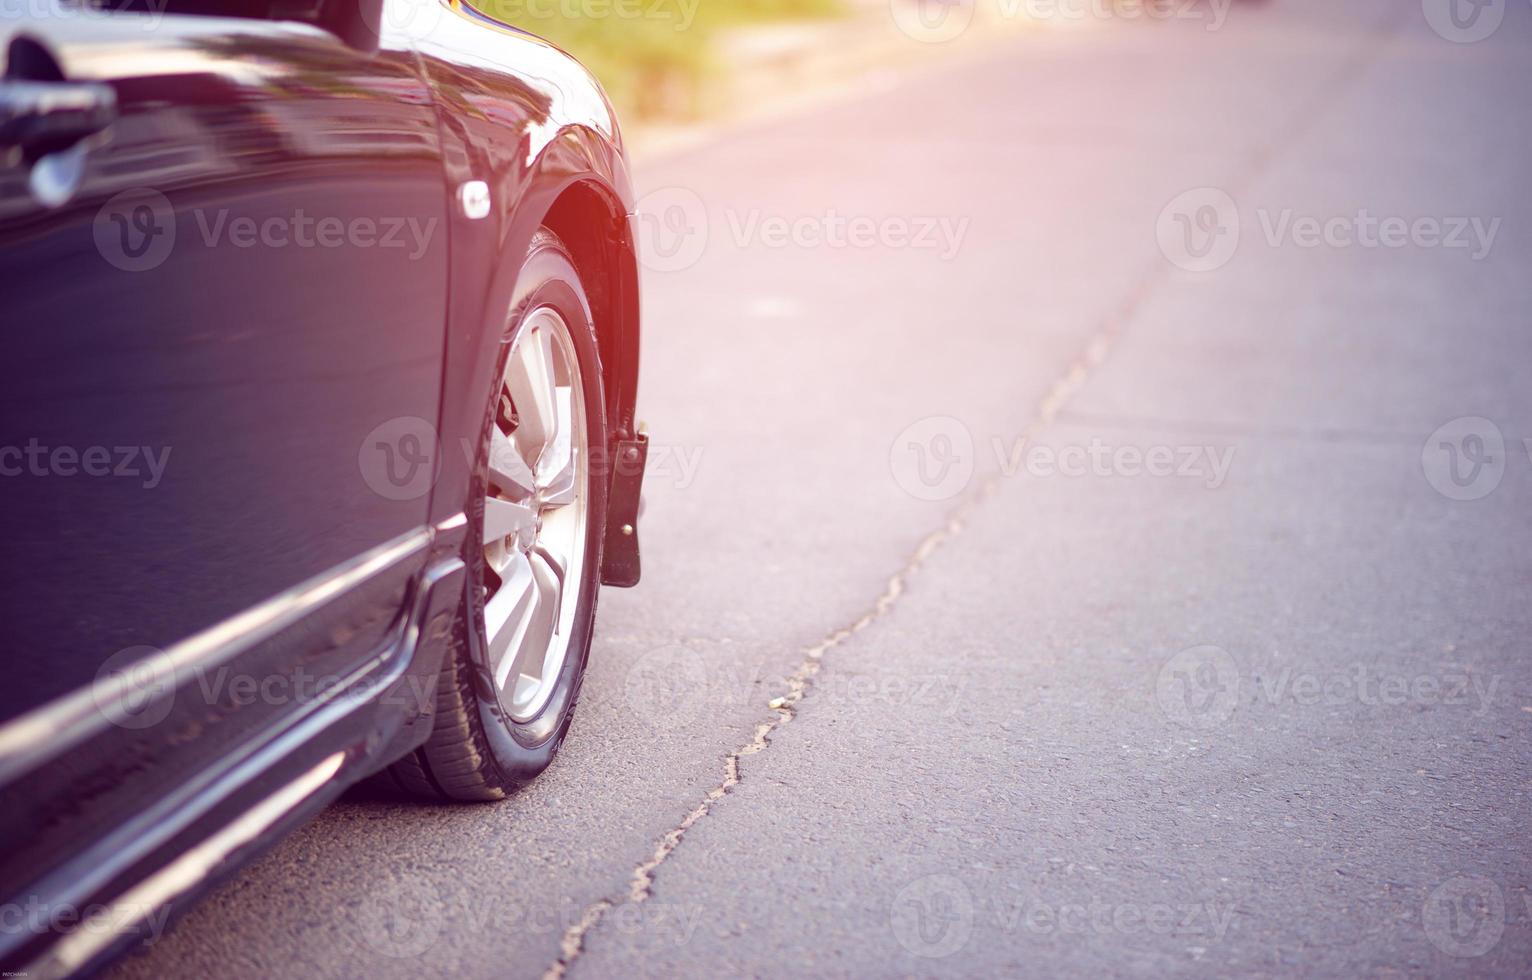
[222, 294]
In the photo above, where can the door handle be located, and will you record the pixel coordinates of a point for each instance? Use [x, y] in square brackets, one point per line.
[46, 117]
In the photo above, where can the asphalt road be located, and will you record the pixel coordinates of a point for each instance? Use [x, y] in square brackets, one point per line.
[1133, 610]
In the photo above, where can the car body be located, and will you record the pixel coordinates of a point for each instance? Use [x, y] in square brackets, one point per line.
[233, 493]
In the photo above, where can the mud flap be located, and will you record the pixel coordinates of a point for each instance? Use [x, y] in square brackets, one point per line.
[619, 556]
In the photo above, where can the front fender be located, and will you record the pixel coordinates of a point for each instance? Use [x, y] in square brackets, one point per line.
[531, 123]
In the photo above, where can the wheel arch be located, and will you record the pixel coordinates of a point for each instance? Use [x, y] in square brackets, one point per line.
[578, 186]
[594, 226]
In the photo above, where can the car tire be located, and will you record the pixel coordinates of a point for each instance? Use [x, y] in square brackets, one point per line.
[480, 748]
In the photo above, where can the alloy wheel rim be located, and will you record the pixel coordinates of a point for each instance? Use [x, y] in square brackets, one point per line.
[535, 514]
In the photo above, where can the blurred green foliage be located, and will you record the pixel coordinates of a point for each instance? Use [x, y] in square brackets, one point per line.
[654, 57]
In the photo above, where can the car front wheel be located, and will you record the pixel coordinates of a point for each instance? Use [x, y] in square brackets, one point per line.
[536, 518]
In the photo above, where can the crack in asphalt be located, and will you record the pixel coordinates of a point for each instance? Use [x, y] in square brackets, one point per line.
[801, 680]
[1100, 345]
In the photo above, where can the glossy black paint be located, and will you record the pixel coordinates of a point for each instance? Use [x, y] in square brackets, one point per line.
[251, 374]
[275, 368]
[546, 141]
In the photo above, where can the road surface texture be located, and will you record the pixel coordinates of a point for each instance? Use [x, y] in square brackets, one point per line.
[1135, 546]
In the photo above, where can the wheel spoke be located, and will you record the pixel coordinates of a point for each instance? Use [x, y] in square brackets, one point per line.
[551, 567]
[556, 468]
[508, 469]
[533, 384]
[498, 556]
[502, 519]
[560, 528]
[525, 671]
[508, 613]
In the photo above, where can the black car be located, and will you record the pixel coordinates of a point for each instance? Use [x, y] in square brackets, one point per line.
[320, 335]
